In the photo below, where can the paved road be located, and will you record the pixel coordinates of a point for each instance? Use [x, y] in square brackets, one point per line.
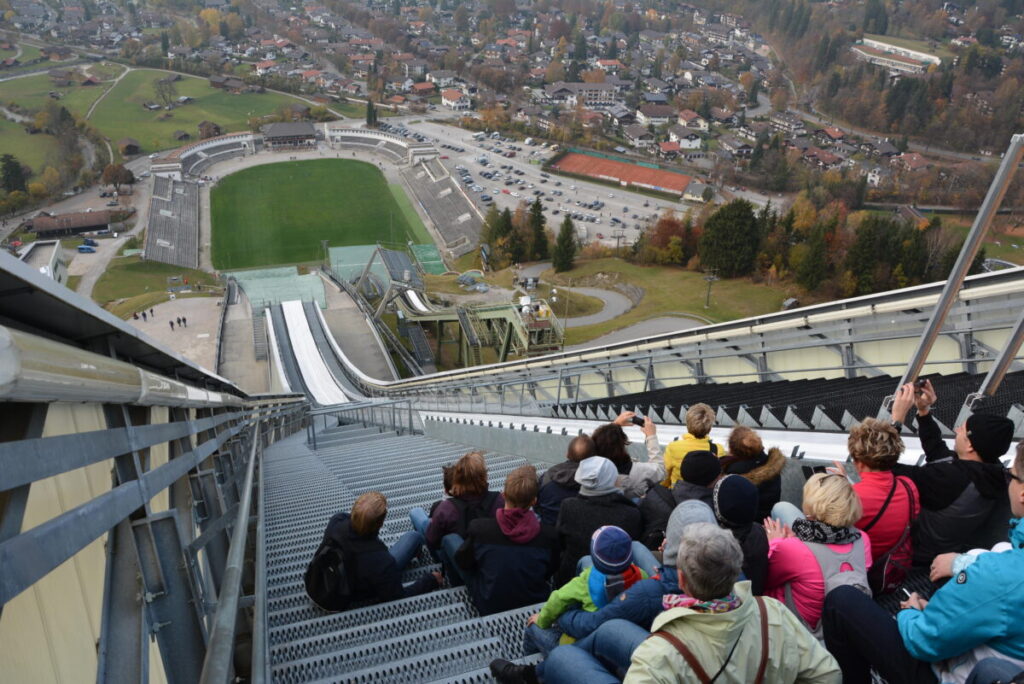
[641, 331]
[615, 303]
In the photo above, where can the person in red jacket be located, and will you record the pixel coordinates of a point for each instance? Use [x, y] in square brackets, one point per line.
[889, 502]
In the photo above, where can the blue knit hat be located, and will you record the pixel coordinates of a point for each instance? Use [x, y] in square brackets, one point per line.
[611, 549]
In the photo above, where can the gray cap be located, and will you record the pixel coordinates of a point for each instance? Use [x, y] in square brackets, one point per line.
[684, 515]
[596, 476]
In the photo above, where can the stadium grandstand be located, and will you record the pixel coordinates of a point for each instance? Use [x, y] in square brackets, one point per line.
[156, 522]
[194, 158]
[394, 146]
[456, 220]
[172, 236]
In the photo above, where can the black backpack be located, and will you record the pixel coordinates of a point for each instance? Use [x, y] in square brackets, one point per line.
[327, 577]
[468, 512]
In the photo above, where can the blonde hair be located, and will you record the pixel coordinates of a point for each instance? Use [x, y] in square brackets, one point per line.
[368, 513]
[744, 443]
[875, 443]
[521, 487]
[699, 419]
[469, 475]
[830, 498]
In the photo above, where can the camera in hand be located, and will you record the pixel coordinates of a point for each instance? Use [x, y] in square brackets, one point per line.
[638, 420]
[808, 471]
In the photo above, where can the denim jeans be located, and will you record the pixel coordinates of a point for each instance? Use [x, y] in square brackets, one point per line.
[861, 635]
[786, 513]
[406, 548]
[598, 658]
[991, 670]
[543, 641]
[450, 543]
[642, 558]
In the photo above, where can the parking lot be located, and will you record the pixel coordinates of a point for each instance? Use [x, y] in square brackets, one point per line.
[506, 172]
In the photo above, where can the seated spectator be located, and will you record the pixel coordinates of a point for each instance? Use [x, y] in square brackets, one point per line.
[747, 457]
[445, 530]
[716, 621]
[807, 553]
[973, 617]
[889, 503]
[699, 420]
[735, 505]
[558, 482]
[598, 504]
[612, 572]
[376, 572]
[507, 561]
[699, 472]
[635, 477]
[961, 490]
[639, 604]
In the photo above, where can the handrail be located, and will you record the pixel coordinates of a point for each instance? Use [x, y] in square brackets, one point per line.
[34, 368]
[219, 650]
[972, 243]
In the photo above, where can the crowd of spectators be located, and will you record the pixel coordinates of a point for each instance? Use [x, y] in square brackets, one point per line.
[689, 567]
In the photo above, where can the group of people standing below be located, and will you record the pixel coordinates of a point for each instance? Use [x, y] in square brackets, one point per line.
[689, 567]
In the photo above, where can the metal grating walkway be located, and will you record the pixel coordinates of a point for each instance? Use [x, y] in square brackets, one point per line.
[434, 637]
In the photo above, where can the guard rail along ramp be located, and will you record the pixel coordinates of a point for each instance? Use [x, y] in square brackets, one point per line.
[125, 491]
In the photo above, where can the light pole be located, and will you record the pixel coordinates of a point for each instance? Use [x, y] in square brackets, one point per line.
[709, 277]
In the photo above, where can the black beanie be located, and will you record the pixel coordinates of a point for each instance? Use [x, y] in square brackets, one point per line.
[989, 435]
[735, 500]
[700, 468]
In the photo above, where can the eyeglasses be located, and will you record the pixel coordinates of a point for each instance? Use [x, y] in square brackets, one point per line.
[1011, 476]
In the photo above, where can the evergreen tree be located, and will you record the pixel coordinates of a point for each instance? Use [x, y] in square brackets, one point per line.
[565, 247]
[813, 270]
[539, 236]
[371, 114]
[165, 43]
[491, 221]
[731, 240]
[12, 177]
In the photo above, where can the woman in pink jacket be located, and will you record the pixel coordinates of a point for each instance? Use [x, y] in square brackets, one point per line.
[817, 551]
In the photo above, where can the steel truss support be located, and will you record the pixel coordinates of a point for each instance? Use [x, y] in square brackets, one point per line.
[996, 192]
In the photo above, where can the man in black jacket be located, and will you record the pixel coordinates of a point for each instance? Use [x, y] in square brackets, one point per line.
[508, 560]
[558, 482]
[961, 489]
[377, 575]
[600, 503]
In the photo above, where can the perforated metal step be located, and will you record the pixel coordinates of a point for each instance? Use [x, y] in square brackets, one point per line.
[434, 637]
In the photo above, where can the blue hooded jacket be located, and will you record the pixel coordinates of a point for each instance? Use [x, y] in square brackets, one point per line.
[981, 605]
[639, 604]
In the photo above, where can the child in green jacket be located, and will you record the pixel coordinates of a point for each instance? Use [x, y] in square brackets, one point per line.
[611, 550]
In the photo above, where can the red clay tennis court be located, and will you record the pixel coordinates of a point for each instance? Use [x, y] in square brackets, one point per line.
[619, 172]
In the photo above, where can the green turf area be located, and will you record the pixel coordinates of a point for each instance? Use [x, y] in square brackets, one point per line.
[357, 110]
[105, 71]
[121, 113]
[409, 212]
[35, 150]
[911, 44]
[129, 277]
[279, 213]
[667, 291]
[32, 93]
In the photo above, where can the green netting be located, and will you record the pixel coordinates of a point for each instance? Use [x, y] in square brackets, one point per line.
[429, 258]
[348, 264]
[268, 286]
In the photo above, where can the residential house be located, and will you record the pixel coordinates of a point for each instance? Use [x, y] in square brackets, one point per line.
[695, 191]
[638, 136]
[655, 115]
[442, 78]
[691, 119]
[668, 150]
[455, 99]
[784, 122]
[735, 146]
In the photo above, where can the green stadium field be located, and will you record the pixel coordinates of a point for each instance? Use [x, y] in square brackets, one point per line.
[279, 213]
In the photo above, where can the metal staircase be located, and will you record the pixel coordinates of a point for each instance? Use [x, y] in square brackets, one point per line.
[434, 637]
